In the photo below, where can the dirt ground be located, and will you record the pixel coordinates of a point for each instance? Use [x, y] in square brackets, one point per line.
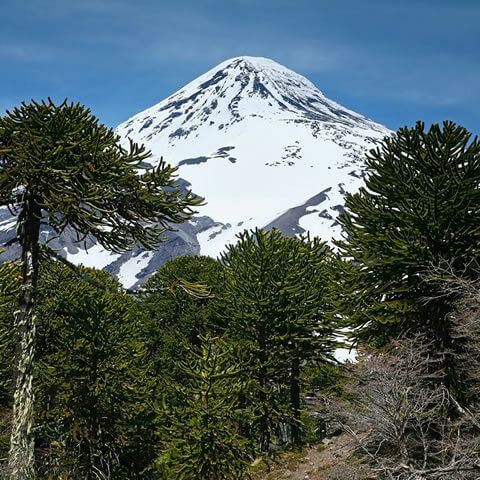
[330, 460]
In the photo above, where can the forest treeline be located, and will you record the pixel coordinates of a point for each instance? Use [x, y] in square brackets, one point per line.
[219, 363]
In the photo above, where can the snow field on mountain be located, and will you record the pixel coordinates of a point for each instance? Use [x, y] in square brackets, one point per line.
[260, 143]
[130, 269]
[95, 257]
[265, 179]
[256, 139]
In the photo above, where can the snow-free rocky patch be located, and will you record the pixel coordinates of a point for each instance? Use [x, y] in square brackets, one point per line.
[261, 143]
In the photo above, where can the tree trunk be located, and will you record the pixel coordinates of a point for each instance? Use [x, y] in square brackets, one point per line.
[263, 397]
[21, 455]
[296, 432]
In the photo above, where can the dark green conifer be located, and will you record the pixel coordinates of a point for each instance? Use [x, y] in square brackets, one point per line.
[91, 380]
[200, 424]
[276, 295]
[173, 322]
[9, 284]
[419, 208]
[186, 315]
[60, 167]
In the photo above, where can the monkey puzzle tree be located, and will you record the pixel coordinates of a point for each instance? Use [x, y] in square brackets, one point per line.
[201, 415]
[61, 168]
[276, 295]
[91, 382]
[420, 207]
[172, 324]
[181, 312]
[9, 283]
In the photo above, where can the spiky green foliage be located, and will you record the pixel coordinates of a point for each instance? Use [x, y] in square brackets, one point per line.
[91, 380]
[77, 173]
[276, 297]
[186, 314]
[201, 431]
[60, 167]
[9, 284]
[173, 321]
[91, 385]
[420, 206]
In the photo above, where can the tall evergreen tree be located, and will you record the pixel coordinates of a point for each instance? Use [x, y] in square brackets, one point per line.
[183, 313]
[420, 207]
[172, 323]
[91, 380]
[9, 284]
[276, 293]
[201, 431]
[59, 166]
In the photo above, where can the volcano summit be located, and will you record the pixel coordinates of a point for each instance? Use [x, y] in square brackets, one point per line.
[262, 144]
[264, 147]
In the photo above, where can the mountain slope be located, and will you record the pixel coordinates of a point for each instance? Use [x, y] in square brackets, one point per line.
[261, 143]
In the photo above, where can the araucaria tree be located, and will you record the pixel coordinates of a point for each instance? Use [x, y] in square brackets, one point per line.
[420, 207]
[60, 167]
[276, 293]
[201, 431]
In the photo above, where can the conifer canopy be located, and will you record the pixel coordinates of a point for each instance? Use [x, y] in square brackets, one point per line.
[420, 207]
[77, 173]
[60, 167]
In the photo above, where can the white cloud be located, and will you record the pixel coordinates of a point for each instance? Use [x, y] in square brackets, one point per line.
[150, 38]
[26, 52]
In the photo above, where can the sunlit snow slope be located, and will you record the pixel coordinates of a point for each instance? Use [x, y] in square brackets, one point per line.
[262, 144]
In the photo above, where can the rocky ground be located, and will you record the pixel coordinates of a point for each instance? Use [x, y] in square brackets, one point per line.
[332, 459]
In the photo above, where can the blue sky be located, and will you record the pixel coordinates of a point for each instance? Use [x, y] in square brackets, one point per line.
[394, 61]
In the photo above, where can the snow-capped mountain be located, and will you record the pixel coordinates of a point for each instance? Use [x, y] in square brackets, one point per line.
[262, 144]
[264, 147]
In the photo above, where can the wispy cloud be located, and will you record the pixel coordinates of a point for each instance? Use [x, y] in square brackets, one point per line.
[410, 52]
[437, 79]
[29, 52]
